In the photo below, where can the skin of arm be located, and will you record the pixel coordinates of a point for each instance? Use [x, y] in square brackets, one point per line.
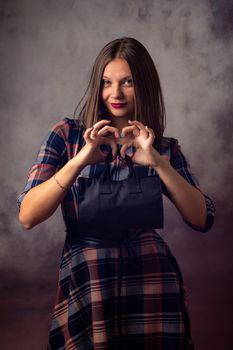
[189, 201]
[42, 201]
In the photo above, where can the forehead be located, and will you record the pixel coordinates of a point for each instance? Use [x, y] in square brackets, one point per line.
[117, 68]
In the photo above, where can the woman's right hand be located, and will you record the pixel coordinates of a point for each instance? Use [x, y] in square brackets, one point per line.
[42, 200]
[95, 136]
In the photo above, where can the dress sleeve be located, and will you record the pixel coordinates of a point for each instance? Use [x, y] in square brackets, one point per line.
[181, 165]
[50, 158]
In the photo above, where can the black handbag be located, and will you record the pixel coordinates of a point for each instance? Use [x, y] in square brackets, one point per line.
[106, 207]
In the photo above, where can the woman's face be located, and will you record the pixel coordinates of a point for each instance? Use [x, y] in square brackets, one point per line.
[118, 90]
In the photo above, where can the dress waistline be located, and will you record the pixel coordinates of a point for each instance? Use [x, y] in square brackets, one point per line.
[89, 239]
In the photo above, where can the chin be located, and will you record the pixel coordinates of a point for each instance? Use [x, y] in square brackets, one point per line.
[120, 113]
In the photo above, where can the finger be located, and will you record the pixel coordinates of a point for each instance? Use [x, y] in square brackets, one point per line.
[93, 134]
[87, 133]
[101, 123]
[136, 132]
[145, 132]
[114, 148]
[140, 127]
[151, 136]
[109, 129]
[127, 129]
[123, 149]
[137, 123]
[150, 131]
[97, 126]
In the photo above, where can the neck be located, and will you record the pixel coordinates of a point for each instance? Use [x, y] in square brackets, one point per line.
[119, 123]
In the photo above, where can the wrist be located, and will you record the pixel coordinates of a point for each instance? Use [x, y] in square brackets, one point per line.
[76, 164]
[161, 164]
[156, 160]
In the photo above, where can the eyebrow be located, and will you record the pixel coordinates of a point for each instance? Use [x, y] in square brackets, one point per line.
[127, 77]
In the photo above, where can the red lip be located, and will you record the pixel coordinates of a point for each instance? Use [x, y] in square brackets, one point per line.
[118, 105]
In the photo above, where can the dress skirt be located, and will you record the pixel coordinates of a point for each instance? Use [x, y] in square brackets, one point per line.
[124, 297]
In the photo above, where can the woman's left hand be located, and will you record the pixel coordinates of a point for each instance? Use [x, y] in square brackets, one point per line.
[142, 138]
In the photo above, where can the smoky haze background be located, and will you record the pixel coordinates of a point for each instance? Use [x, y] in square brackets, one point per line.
[47, 49]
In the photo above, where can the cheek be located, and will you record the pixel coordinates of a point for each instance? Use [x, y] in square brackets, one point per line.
[132, 95]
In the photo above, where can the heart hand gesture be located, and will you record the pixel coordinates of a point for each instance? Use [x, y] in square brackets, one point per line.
[95, 136]
[142, 139]
[137, 135]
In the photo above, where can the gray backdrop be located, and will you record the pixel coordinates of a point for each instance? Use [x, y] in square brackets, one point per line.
[47, 49]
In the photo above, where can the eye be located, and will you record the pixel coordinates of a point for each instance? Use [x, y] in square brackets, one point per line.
[128, 82]
[105, 82]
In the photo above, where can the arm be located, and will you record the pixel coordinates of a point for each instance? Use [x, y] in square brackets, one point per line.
[43, 193]
[189, 201]
[179, 163]
[42, 200]
[178, 183]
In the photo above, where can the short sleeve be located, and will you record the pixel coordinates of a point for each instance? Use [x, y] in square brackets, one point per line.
[182, 166]
[50, 158]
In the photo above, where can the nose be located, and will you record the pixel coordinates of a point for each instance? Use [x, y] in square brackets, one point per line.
[117, 91]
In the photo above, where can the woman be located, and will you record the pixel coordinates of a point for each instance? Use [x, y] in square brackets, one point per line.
[116, 291]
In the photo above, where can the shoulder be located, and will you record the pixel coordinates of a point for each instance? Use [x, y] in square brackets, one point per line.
[66, 125]
[68, 129]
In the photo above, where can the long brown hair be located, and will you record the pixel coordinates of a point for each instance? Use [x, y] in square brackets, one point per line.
[149, 102]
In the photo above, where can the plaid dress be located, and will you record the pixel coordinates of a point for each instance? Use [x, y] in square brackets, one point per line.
[127, 296]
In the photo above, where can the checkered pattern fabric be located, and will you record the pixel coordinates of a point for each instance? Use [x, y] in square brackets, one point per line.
[153, 312]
